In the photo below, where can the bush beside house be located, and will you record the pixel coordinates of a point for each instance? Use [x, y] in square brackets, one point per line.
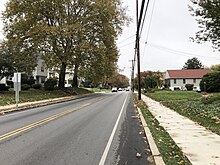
[211, 82]
[50, 84]
[189, 87]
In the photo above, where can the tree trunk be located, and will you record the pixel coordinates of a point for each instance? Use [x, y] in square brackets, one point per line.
[62, 76]
[75, 77]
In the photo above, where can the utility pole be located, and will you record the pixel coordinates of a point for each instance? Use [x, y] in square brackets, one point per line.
[132, 74]
[138, 52]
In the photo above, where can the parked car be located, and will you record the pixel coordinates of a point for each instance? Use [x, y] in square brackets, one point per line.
[114, 89]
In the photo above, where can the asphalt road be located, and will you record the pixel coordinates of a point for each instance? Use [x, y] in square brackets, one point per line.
[96, 130]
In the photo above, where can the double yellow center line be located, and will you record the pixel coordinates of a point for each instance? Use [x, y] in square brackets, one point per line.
[43, 121]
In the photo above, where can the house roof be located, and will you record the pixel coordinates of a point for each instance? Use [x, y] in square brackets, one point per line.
[188, 73]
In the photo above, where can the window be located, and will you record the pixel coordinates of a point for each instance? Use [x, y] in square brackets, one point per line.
[194, 80]
[42, 69]
[184, 81]
[174, 81]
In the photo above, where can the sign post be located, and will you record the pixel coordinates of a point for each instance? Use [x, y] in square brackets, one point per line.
[17, 86]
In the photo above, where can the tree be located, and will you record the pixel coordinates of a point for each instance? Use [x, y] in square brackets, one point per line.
[149, 79]
[68, 33]
[207, 14]
[6, 68]
[215, 67]
[211, 82]
[119, 81]
[193, 63]
[11, 61]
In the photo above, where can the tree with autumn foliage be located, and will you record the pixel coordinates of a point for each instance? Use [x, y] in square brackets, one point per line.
[74, 34]
[149, 79]
[119, 81]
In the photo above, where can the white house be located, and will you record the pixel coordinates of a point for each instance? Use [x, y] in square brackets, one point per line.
[177, 79]
[40, 73]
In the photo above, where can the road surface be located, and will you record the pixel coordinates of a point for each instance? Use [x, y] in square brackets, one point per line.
[96, 130]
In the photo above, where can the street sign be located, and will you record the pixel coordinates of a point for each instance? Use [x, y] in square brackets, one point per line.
[17, 86]
[17, 81]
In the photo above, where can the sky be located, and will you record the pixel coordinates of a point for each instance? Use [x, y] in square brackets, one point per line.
[167, 30]
[168, 39]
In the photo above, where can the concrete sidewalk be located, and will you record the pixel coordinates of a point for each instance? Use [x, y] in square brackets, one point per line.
[201, 146]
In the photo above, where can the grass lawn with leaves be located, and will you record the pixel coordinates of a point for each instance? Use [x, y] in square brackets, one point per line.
[170, 152]
[8, 97]
[204, 110]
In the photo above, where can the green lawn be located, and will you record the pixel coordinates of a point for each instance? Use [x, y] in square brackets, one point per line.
[203, 110]
[8, 97]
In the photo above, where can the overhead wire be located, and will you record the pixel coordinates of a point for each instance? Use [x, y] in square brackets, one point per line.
[180, 53]
[145, 13]
[126, 39]
[126, 44]
[148, 31]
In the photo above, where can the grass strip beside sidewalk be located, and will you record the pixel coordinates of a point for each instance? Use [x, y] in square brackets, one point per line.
[171, 153]
[201, 109]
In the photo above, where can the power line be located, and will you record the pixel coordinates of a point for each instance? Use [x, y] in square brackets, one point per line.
[180, 53]
[148, 31]
[149, 27]
[126, 39]
[144, 17]
[126, 44]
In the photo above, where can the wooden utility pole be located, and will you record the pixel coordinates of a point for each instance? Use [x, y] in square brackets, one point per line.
[138, 52]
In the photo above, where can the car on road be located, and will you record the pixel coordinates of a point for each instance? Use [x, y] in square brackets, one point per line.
[114, 89]
[119, 89]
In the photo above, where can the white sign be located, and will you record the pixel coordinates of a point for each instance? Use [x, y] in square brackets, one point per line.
[17, 77]
[17, 86]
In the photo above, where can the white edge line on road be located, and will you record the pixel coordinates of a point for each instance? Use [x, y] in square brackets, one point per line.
[105, 153]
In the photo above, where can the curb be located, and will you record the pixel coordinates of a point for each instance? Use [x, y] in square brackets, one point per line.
[40, 103]
[155, 152]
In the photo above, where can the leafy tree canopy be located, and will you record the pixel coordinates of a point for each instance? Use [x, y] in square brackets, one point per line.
[211, 82]
[120, 81]
[207, 13]
[74, 34]
[11, 62]
[193, 63]
[215, 67]
[149, 79]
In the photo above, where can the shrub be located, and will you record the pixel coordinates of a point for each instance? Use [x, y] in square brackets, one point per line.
[10, 83]
[36, 86]
[31, 81]
[3, 87]
[26, 80]
[25, 87]
[50, 84]
[151, 90]
[210, 82]
[189, 87]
